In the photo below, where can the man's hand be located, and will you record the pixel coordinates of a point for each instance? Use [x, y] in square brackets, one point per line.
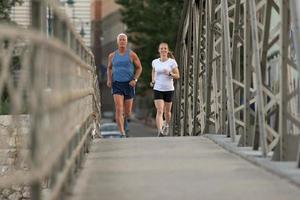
[132, 83]
[108, 83]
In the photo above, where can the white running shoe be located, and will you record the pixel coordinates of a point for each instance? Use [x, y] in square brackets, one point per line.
[166, 130]
[160, 133]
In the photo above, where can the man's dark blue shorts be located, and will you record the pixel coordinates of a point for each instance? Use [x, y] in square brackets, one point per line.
[123, 88]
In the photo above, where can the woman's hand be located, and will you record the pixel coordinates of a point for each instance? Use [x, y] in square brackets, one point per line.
[167, 72]
[152, 84]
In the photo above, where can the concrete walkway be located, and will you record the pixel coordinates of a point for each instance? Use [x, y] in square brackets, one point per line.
[176, 168]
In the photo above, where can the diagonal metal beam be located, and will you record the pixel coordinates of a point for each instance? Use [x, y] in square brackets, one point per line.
[259, 84]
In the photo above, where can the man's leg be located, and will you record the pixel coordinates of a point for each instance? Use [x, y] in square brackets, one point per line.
[159, 104]
[119, 106]
[128, 110]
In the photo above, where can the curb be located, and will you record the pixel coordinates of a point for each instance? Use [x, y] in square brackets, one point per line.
[285, 170]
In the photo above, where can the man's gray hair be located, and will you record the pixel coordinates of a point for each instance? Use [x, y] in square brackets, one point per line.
[121, 34]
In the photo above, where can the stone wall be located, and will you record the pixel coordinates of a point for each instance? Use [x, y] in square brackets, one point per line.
[14, 143]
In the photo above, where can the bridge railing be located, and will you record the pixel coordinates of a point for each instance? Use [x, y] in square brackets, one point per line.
[240, 74]
[50, 101]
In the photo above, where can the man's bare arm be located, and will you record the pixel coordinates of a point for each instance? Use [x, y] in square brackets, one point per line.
[138, 65]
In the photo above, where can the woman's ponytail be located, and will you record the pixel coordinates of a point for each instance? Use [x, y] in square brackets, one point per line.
[170, 54]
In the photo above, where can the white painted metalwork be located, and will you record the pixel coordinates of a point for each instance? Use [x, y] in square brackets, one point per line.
[246, 77]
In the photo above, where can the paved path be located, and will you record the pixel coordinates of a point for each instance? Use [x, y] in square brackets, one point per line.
[175, 168]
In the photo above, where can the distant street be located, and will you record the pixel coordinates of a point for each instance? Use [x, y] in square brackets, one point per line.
[138, 129]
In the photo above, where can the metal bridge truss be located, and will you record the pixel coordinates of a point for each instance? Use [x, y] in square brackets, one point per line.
[239, 73]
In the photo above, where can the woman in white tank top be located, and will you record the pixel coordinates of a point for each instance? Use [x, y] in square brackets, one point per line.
[164, 70]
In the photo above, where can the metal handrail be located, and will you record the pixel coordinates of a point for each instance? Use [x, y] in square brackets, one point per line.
[58, 85]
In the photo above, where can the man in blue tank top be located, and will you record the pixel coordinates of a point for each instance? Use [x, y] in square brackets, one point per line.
[123, 70]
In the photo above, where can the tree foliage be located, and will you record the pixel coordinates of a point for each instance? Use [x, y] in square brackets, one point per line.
[150, 22]
[5, 8]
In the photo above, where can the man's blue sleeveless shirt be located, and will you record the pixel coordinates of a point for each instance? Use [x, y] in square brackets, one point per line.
[122, 67]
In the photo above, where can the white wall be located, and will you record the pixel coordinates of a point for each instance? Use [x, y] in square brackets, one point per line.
[21, 14]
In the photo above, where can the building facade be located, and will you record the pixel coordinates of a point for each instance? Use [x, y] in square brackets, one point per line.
[106, 25]
[21, 14]
[112, 25]
[79, 12]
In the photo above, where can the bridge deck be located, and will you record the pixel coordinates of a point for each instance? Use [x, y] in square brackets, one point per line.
[173, 168]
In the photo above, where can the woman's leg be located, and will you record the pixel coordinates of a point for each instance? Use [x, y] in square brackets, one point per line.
[159, 104]
[168, 96]
[168, 107]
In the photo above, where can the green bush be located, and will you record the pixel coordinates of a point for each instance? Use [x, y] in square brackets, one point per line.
[4, 107]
